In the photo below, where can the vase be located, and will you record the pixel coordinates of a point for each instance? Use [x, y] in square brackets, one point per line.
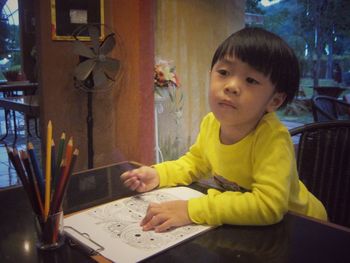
[161, 95]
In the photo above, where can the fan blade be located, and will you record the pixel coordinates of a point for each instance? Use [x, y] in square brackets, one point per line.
[94, 35]
[107, 44]
[99, 76]
[83, 70]
[82, 50]
[111, 65]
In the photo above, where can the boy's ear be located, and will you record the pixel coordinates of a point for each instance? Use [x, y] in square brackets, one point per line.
[276, 101]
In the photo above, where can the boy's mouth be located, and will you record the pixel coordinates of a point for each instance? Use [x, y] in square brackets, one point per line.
[227, 103]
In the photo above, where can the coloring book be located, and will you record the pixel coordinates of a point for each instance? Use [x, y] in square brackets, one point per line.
[113, 229]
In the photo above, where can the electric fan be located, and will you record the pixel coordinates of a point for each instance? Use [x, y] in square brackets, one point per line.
[96, 71]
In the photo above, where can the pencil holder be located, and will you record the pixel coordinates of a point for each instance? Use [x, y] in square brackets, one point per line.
[50, 231]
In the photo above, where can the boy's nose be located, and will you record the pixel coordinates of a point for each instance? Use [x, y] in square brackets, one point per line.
[232, 89]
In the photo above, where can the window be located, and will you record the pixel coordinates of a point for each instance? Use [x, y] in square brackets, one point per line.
[10, 55]
[319, 33]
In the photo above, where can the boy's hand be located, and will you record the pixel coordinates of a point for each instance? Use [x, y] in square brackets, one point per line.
[161, 217]
[141, 179]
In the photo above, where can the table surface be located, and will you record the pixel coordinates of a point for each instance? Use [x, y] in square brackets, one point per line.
[294, 239]
[25, 104]
[18, 84]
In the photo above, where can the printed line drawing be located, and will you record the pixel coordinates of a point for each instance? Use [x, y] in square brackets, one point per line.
[121, 220]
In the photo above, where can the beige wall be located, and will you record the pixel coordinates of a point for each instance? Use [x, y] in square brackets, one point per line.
[187, 33]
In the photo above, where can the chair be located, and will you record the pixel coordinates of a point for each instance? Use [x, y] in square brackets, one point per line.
[325, 108]
[14, 89]
[323, 162]
[346, 98]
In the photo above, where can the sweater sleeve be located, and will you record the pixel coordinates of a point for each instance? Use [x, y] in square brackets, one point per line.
[187, 169]
[267, 202]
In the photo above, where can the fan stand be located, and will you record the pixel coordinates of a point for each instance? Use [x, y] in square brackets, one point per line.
[89, 84]
[90, 137]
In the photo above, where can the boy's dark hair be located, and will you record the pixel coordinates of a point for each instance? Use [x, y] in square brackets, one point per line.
[268, 54]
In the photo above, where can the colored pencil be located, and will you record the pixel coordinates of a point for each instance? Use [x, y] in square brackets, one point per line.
[19, 169]
[37, 171]
[70, 170]
[16, 162]
[53, 161]
[46, 196]
[46, 199]
[48, 170]
[59, 159]
[55, 206]
[32, 183]
[69, 151]
[64, 181]
[59, 189]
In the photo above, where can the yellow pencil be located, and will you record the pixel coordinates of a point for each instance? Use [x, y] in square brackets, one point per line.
[48, 170]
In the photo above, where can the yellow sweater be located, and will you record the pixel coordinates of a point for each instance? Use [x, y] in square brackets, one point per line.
[263, 163]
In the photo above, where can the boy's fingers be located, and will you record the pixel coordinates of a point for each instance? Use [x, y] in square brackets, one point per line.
[129, 182]
[129, 174]
[151, 212]
[135, 184]
[146, 219]
[163, 227]
[153, 223]
[126, 175]
[142, 187]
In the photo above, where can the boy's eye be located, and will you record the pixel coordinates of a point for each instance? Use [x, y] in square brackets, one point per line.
[252, 81]
[223, 72]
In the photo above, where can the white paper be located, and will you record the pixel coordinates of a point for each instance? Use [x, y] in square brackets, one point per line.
[78, 16]
[116, 226]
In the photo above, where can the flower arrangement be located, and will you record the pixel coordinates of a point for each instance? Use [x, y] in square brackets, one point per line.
[167, 90]
[165, 78]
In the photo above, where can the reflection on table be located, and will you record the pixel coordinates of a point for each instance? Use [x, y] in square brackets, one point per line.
[294, 239]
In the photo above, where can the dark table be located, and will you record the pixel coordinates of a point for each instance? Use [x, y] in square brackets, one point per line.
[294, 239]
[26, 88]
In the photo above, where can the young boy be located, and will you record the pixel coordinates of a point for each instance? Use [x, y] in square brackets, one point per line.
[241, 142]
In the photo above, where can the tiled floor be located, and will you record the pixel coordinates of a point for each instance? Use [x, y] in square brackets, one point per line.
[7, 172]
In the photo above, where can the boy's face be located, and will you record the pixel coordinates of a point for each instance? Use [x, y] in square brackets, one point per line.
[239, 95]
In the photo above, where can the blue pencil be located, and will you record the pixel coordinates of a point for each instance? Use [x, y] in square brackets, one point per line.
[37, 171]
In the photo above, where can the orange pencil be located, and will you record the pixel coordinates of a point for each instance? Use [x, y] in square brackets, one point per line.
[69, 151]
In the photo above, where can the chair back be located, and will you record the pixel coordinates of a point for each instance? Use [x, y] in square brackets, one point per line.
[323, 162]
[325, 108]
